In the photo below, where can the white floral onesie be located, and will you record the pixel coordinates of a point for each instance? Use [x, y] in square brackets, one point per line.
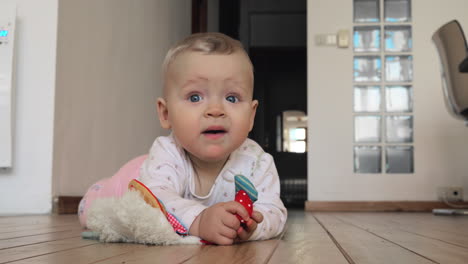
[169, 174]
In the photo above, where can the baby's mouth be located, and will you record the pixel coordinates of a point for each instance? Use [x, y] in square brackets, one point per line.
[214, 131]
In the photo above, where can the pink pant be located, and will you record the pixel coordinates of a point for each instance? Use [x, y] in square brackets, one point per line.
[115, 186]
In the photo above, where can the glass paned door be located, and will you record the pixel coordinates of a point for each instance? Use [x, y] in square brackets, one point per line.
[383, 89]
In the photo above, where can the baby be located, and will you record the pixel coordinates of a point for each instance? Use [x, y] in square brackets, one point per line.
[207, 104]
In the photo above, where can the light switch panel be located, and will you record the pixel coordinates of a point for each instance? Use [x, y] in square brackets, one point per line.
[343, 38]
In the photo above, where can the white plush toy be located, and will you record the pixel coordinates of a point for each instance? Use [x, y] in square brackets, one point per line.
[139, 217]
[136, 217]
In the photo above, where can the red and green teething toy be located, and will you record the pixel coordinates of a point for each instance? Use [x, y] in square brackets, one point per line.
[246, 194]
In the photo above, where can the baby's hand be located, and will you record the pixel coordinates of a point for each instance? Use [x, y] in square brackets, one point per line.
[245, 233]
[218, 223]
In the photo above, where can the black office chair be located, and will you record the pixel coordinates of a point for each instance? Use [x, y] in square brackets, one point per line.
[451, 45]
[453, 53]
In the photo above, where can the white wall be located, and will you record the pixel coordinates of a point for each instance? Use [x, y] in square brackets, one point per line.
[107, 86]
[440, 142]
[441, 139]
[109, 58]
[27, 187]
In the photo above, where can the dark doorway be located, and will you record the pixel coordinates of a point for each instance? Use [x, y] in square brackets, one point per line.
[274, 35]
[280, 85]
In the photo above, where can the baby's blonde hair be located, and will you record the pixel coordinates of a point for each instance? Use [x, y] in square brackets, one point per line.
[206, 43]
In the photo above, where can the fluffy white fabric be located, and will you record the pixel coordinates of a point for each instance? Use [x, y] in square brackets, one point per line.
[131, 219]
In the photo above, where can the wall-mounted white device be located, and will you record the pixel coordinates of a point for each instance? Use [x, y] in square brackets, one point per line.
[7, 43]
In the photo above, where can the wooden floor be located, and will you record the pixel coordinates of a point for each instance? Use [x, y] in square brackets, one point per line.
[310, 238]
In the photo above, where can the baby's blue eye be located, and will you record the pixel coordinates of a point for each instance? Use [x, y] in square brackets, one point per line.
[232, 99]
[195, 98]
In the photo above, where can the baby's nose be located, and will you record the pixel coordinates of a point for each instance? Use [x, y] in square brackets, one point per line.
[215, 110]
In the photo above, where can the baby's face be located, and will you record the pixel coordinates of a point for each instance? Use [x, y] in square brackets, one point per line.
[209, 103]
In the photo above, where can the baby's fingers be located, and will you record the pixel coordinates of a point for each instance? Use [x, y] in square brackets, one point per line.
[251, 226]
[237, 208]
[242, 234]
[245, 233]
[257, 216]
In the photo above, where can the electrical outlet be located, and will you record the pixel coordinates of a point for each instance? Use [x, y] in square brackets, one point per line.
[450, 194]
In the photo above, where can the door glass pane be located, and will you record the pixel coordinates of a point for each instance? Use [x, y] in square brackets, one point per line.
[294, 134]
[399, 159]
[367, 98]
[398, 68]
[367, 159]
[367, 129]
[366, 11]
[279, 133]
[397, 10]
[398, 98]
[399, 129]
[366, 39]
[398, 39]
[367, 68]
[297, 146]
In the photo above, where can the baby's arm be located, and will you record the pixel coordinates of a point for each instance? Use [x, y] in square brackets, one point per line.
[269, 204]
[165, 186]
[165, 172]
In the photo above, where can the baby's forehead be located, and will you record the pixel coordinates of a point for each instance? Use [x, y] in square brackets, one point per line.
[200, 55]
[192, 61]
[182, 73]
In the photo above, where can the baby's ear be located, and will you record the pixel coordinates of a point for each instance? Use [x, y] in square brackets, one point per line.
[252, 114]
[163, 113]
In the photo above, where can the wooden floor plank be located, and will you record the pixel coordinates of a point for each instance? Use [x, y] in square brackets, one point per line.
[305, 241]
[248, 252]
[84, 255]
[413, 223]
[9, 221]
[40, 231]
[156, 254]
[364, 247]
[29, 240]
[35, 226]
[444, 223]
[24, 252]
[434, 249]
